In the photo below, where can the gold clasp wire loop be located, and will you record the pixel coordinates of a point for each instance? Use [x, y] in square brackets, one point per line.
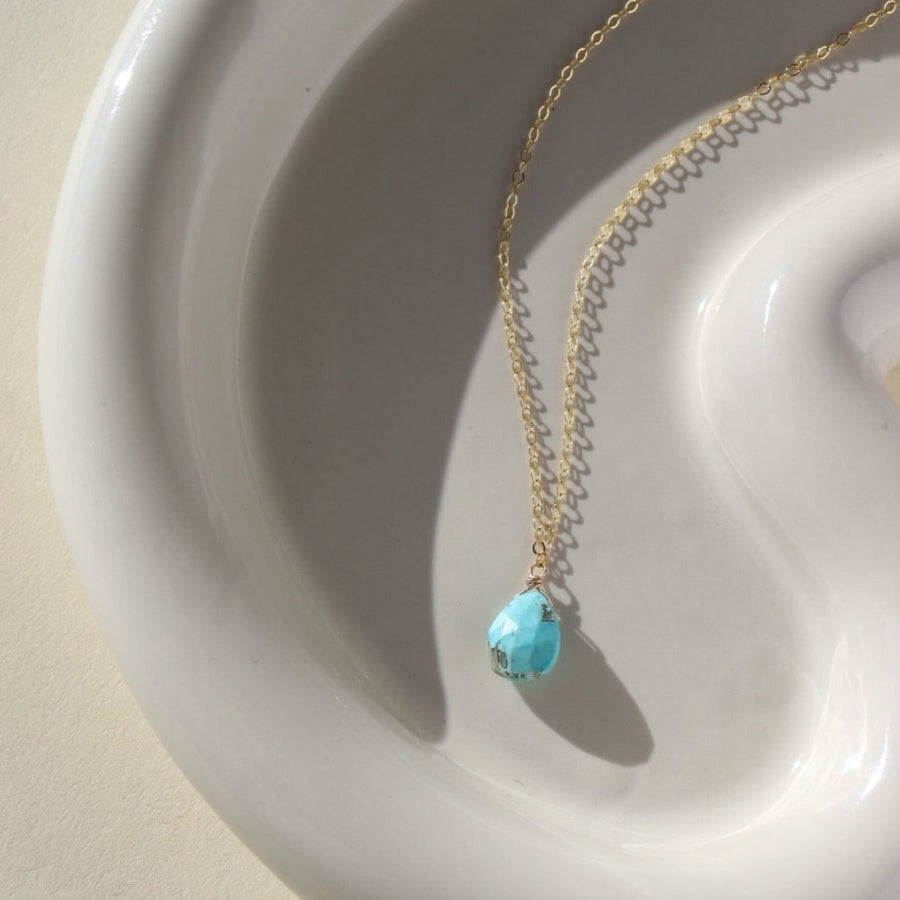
[538, 568]
[536, 573]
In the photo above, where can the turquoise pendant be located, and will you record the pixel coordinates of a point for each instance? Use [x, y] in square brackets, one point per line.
[524, 638]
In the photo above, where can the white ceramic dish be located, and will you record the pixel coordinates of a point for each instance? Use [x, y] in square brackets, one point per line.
[282, 437]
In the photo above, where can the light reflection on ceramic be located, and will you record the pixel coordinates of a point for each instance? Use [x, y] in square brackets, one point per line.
[282, 438]
[870, 317]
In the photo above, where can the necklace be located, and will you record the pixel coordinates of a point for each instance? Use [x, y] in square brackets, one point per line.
[524, 638]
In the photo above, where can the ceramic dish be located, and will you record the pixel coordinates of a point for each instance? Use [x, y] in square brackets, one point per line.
[285, 448]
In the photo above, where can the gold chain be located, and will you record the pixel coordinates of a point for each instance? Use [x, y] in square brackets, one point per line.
[546, 516]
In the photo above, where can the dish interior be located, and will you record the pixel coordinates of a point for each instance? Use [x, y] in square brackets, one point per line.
[319, 337]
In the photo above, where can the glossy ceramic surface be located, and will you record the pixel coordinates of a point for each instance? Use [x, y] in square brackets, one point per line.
[285, 447]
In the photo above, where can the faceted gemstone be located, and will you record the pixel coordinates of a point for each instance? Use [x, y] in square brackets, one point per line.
[524, 638]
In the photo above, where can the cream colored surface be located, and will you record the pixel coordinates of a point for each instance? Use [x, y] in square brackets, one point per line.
[91, 806]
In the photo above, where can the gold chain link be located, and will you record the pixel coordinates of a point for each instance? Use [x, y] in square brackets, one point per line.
[547, 507]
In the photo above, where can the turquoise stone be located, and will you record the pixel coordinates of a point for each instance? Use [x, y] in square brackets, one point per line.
[524, 638]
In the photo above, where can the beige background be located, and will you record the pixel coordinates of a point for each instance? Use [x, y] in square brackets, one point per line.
[90, 805]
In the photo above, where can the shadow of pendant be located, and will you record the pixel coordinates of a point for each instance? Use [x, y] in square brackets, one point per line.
[585, 702]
